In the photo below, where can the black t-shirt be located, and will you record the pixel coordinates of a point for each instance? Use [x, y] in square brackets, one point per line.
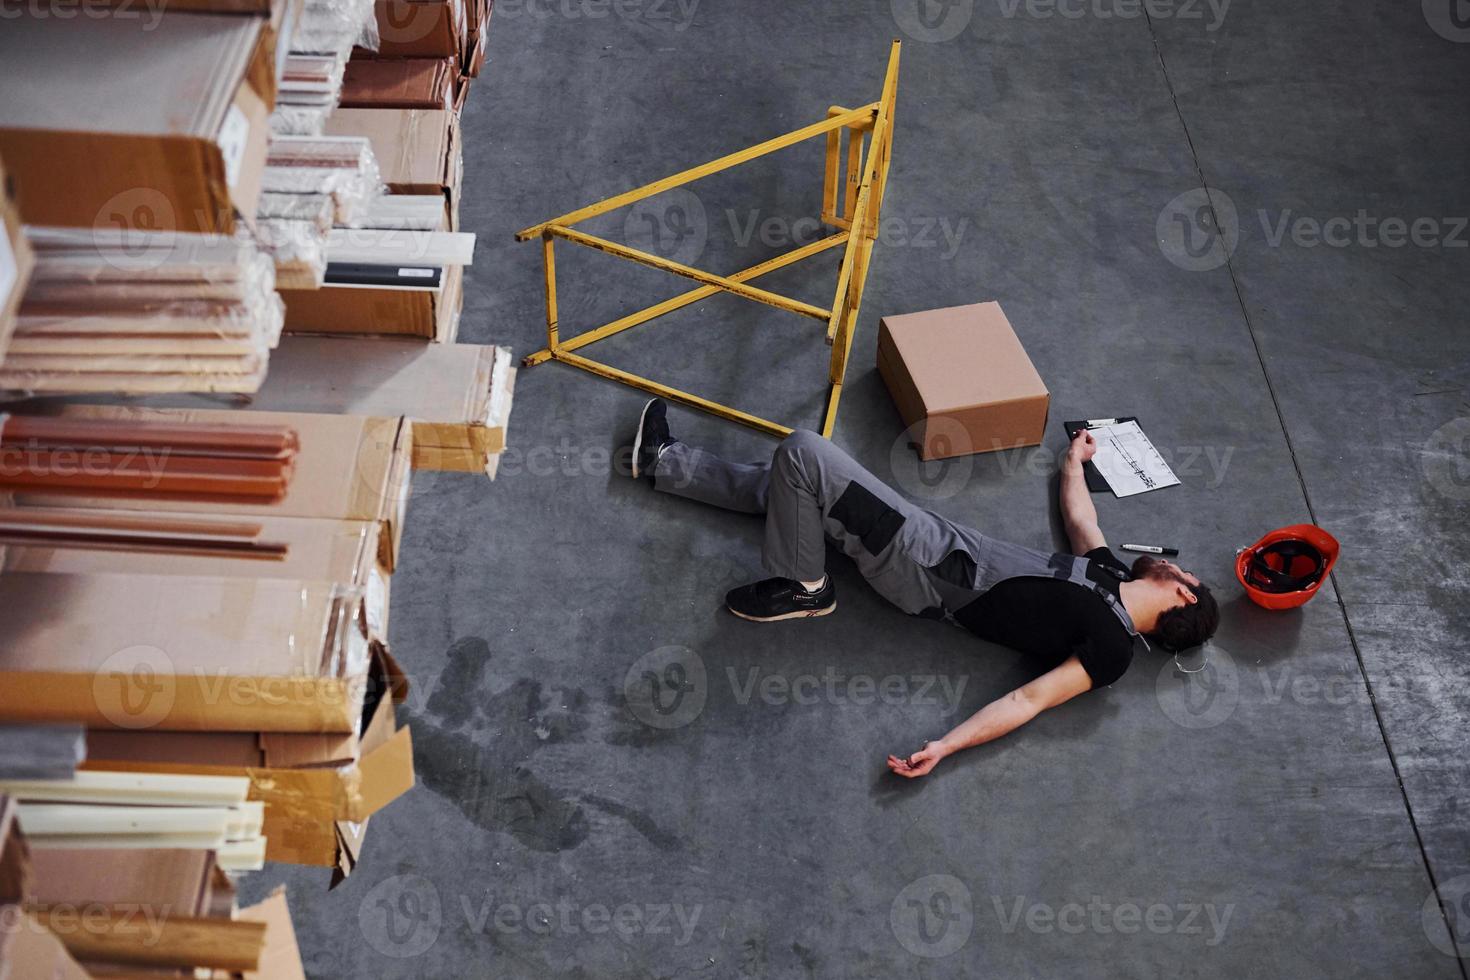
[1050, 619]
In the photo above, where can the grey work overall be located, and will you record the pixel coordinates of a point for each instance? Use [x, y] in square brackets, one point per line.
[811, 492]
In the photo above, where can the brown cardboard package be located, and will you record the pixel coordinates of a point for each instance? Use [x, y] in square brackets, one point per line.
[106, 123]
[16, 261]
[28, 950]
[962, 380]
[348, 467]
[281, 958]
[406, 83]
[420, 29]
[182, 653]
[458, 395]
[308, 783]
[419, 151]
[432, 314]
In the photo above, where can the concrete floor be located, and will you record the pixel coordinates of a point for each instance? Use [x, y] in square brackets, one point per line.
[1288, 812]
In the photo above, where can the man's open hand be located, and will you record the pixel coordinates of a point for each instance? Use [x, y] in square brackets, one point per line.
[920, 763]
[1083, 447]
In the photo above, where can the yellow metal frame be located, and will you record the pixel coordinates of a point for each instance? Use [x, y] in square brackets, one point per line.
[852, 200]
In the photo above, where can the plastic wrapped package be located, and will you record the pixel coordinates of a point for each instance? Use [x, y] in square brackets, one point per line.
[137, 312]
[220, 654]
[343, 167]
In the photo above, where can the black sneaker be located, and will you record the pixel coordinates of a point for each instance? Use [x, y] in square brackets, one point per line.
[653, 436]
[781, 598]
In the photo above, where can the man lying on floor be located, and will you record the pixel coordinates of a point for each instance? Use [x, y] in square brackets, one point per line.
[1074, 615]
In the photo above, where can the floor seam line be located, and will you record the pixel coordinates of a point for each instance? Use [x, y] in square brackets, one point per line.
[1307, 499]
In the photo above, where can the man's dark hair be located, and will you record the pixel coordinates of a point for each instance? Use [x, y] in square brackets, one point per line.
[1188, 625]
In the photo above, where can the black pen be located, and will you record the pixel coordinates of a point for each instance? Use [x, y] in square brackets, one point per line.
[1152, 549]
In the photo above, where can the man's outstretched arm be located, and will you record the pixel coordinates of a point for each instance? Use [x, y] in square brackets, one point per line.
[998, 717]
[1078, 514]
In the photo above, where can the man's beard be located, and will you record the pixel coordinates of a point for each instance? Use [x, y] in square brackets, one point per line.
[1147, 566]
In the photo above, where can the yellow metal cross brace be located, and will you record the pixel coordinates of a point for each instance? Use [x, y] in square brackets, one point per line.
[855, 185]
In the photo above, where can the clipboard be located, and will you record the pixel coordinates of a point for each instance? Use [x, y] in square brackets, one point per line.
[1096, 482]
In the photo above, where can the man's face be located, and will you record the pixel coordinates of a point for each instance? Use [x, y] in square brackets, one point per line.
[1159, 570]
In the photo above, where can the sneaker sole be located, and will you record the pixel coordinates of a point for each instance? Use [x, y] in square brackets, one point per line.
[638, 439]
[799, 614]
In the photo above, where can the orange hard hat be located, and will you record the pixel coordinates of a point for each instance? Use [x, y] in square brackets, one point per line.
[1285, 568]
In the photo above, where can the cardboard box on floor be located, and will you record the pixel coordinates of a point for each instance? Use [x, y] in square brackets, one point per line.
[349, 467]
[280, 959]
[962, 381]
[431, 314]
[107, 124]
[419, 151]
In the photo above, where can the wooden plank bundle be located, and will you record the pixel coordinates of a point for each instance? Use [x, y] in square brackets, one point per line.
[152, 460]
[313, 56]
[139, 312]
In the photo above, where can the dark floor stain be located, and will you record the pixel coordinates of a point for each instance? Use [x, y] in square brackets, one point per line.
[491, 783]
[638, 820]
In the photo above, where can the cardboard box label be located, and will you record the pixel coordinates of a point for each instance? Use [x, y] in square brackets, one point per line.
[234, 137]
[9, 270]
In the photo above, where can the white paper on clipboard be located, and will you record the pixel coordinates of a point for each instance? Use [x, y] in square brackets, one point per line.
[1128, 461]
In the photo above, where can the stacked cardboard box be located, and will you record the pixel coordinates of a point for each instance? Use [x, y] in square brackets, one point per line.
[193, 192]
[70, 912]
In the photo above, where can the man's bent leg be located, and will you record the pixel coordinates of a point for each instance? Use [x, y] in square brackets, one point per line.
[701, 475]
